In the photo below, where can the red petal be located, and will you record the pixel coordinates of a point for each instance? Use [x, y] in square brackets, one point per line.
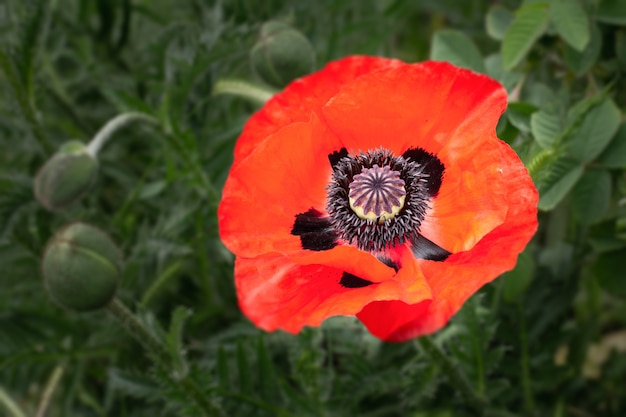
[452, 282]
[286, 175]
[448, 111]
[276, 293]
[303, 96]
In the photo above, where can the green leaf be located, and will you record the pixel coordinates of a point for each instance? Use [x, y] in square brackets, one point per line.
[571, 23]
[598, 127]
[174, 340]
[546, 126]
[530, 23]
[494, 68]
[612, 12]
[223, 370]
[267, 373]
[457, 48]
[580, 62]
[516, 281]
[614, 156]
[243, 369]
[498, 20]
[562, 177]
[591, 196]
[608, 269]
[519, 114]
[620, 46]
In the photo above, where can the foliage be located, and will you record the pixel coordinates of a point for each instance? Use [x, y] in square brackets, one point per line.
[528, 344]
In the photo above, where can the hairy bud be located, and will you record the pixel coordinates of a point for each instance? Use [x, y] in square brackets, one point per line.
[66, 177]
[281, 54]
[81, 267]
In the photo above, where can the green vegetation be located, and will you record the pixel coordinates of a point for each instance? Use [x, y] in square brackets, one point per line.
[166, 87]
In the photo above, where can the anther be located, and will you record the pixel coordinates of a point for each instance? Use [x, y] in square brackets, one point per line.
[377, 193]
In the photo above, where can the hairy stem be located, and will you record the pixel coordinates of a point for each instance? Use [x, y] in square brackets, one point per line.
[454, 374]
[113, 125]
[243, 89]
[160, 355]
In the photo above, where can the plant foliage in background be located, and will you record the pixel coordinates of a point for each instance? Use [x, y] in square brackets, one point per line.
[548, 338]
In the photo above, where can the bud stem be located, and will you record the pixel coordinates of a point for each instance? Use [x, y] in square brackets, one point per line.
[252, 92]
[135, 328]
[113, 125]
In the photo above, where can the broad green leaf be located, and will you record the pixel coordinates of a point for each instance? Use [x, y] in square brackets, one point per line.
[571, 23]
[577, 112]
[598, 127]
[498, 19]
[457, 48]
[564, 174]
[519, 115]
[601, 245]
[516, 281]
[580, 62]
[612, 12]
[152, 189]
[494, 68]
[591, 196]
[529, 24]
[608, 269]
[614, 156]
[541, 95]
[546, 125]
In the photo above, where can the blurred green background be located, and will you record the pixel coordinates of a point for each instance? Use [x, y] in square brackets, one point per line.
[548, 339]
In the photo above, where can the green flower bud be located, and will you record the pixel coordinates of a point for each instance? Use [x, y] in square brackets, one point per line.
[81, 267]
[66, 177]
[281, 54]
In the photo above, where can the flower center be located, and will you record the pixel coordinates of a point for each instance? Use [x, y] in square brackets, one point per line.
[377, 200]
[377, 194]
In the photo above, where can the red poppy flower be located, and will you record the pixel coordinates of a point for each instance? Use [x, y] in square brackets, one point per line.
[378, 189]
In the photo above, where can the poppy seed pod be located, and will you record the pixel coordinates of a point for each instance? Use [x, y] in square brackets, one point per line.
[281, 54]
[66, 177]
[81, 267]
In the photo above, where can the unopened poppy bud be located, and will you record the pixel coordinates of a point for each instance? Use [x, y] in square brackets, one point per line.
[66, 177]
[281, 54]
[81, 267]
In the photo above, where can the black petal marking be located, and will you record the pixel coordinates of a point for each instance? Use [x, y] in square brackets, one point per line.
[336, 156]
[315, 231]
[425, 249]
[352, 281]
[389, 263]
[431, 166]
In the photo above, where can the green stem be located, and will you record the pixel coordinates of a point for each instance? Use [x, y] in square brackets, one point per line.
[525, 364]
[51, 386]
[137, 330]
[243, 89]
[10, 405]
[113, 125]
[159, 353]
[454, 374]
[121, 120]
